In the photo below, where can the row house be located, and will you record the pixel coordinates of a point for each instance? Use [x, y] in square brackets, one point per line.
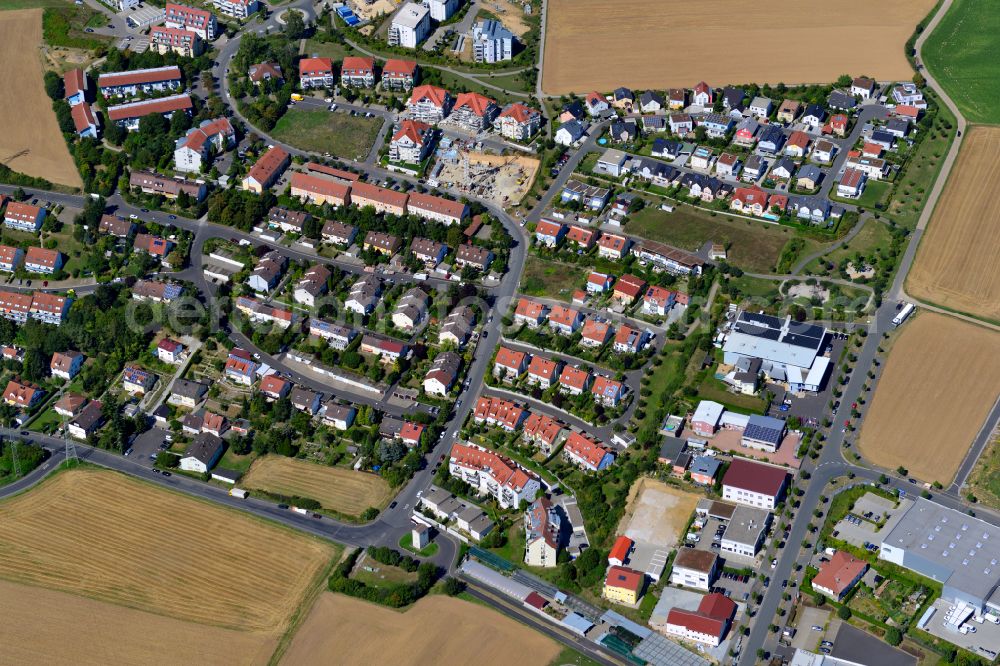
[473, 256]
[129, 115]
[146, 81]
[543, 431]
[543, 372]
[175, 40]
[194, 148]
[267, 169]
[339, 233]
[529, 313]
[23, 216]
[429, 104]
[428, 251]
[564, 320]
[412, 142]
[592, 197]
[474, 112]
[44, 307]
[336, 335]
[399, 74]
[518, 122]
[42, 260]
[436, 209]
[75, 86]
[381, 242]
[456, 329]
[287, 220]
[318, 191]
[586, 453]
[315, 73]
[363, 296]
[387, 349]
[381, 199]
[670, 259]
[262, 313]
[165, 186]
[158, 292]
[241, 367]
[10, 258]
[493, 475]
[509, 364]
[499, 413]
[198, 21]
[357, 72]
[312, 285]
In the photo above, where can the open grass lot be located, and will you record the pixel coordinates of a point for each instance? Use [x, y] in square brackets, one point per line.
[656, 513]
[552, 279]
[436, 630]
[961, 54]
[753, 246]
[920, 385]
[875, 192]
[31, 142]
[873, 236]
[341, 490]
[956, 264]
[339, 134]
[114, 539]
[333, 50]
[48, 627]
[984, 482]
[638, 36]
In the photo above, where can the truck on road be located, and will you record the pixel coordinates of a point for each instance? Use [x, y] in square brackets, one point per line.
[903, 314]
[239, 492]
[304, 512]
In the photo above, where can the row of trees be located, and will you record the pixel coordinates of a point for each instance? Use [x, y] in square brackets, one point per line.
[392, 595]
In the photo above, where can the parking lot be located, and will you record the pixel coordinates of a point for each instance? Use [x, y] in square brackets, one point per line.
[735, 587]
[807, 407]
[859, 526]
[147, 445]
[983, 638]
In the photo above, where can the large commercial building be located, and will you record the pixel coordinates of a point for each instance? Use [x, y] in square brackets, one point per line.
[953, 548]
[790, 352]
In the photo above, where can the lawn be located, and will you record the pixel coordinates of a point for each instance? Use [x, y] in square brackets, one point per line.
[875, 192]
[751, 286]
[552, 279]
[339, 134]
[713, 389]
[65, 26]
[571, 657]
[46, 421]
[515, 82]
[753, 246]
[961, 54]
[30, 4]
[333, 50]
[407, 543]
[872, 237]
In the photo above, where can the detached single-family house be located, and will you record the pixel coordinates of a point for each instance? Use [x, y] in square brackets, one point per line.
[203, 453]
[596, 104]
[771, 139]
[863, 87]
[569, 133]
[761, 107]
[851, 184]
[681, 124]
[651, 101]
[814, 116]
[809, 177]
[788, 111]
[66, 364]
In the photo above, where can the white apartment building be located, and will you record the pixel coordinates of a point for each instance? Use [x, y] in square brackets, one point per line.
[441, 10]
[493, 475]
[410, 26]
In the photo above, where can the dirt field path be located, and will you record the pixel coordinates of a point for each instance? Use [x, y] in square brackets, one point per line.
[649, 44]
[31, 141]
[940, 382]
[439, 630]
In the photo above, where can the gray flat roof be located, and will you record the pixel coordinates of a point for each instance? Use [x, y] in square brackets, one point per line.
[746, 525]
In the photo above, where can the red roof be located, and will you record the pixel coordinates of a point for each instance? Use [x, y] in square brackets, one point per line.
[536, 600]
[574, 377]
[585, 449]
[542, 427]
[581, 235]
[754, 477]
[499, 411]
[357, 65]
[139, 77]
[597, 331]
[146, 107]
[378, 195]
[510, 358]
[748, 196]
[605, 387]
[548, 228]
[530, 309]
[433, 204]
[274, 385]
[621, 549]
[19, 210]
[349, 176]
[519, 112]
[413, 129]
[410, 432]
[563, 315]
[399, 68]
[321, 186]
[478, 104]
[315, 66]
[630, 286]
[432, 94]
[625, 578]
[543, 367]
[838, 574]
[502, 470]
[83, 117]
[40, 256]
[268, 164]
[73, 82]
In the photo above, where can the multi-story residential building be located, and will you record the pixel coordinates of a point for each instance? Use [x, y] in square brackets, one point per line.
[474, 112]
[267, 169]
[317, 190]
[336, 336]
[240, 367]
[542, 531]
[518, 122]
[10, 258]
[287, 220]
[312, 285]
[75, 85]
[473, 256]
[339, 233]
[42, 260]
[23, 216]
[586, 453]
[441, 10]
[129, 115]
[147, 81]
[238, 9]
[399, 74]
[499, 413]
[412, 142]
[529, 313]
[357, 72]
[410, 26]
[194, 148]
[410, 310]
[437, 209]
[623, 585]
[267, 272]
[175, 40]
[429, 104]
[457, 327]
[543, 431]
[364, 295]
[754, 484]
[493, 475]
[261, 313]
[543, 372]
[491, 42]
[316, 73]
[22, 394]
[84, 121]
[66, 365]
[44, 307]
[837, 576]
[382, 200]
[198, 21]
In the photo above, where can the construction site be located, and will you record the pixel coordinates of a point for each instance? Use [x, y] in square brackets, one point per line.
[503, 179]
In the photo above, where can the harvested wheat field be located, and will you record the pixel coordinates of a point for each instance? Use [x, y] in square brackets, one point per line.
[437, 630]
[31, 141]
[115, 539]
[656, 513]
[341, 490]
[597, 45]
[55, 628]
[941, 380]
[956, 264]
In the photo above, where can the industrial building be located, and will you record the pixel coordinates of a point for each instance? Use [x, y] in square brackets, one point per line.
[790, 352]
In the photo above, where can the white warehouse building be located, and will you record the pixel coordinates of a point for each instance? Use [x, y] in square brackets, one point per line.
[790, 352]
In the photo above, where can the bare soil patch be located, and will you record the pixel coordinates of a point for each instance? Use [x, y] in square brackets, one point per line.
[597, 45]
[940, 382]
[956, 264]
[31, 141]
[504, 179]
[437, 630]
[115, 539]
[341, 490]
[656, 513]
[48, 627]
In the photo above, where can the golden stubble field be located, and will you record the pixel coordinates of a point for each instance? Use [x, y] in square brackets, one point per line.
[342, 490]
[939, 384]
[437, 630]
[597, 45]
[31, 141]
[656, 512]
[116, 540]
[956, 264]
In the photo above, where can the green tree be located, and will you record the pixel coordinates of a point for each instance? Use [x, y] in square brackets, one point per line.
[54, 85]
[893, 636]
[844, 613]
[295, 26]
